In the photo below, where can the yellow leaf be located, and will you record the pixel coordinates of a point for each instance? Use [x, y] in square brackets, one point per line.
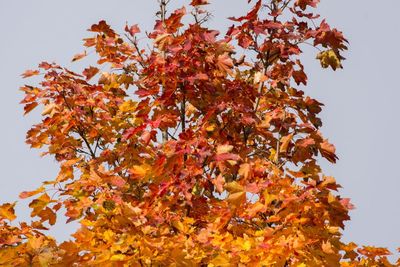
[220, 261]
[117, 257]
[273, 156]
[329, 58]
[127, 106]
[221, 149]
[179, 226]
[246, 245]
[139, 171]
[234, 187]
[268, 197]
[331, 198]
[210, 127]
[108, 235]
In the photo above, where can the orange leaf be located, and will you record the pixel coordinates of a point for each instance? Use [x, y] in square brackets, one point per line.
[90, 72]
[26, 194]
[7, 211]
[79, 56]
[29, 107]
[225, 63]
[245, 170]
[30, 73]
[219, 183]
[237, 198]
[285, 141]
[199, 2]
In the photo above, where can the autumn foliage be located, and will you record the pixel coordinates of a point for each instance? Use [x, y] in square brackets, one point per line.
[194, 149]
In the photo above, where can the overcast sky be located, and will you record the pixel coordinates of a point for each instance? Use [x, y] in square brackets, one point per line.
[361, 114]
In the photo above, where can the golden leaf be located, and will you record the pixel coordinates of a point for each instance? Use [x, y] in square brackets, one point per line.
[237, 198]
[245, 170]
[329, 58]
[221, 149]
[285, 141]
[7, 211]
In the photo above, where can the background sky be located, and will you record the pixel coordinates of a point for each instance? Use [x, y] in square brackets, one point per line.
[361, 114]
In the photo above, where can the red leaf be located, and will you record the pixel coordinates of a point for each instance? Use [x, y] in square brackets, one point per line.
[90, 72]
[132, 30]
[199, 2]
[132, 131]
[304, 3]
[346, 203]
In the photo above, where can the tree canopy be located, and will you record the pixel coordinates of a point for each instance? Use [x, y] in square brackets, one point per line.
[197, 148]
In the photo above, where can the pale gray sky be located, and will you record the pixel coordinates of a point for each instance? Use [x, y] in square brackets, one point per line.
[361, 116]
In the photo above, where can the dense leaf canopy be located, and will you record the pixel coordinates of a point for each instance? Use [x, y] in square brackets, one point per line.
[199, 150]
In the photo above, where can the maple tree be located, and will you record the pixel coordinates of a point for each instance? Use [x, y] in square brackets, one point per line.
[198, 151]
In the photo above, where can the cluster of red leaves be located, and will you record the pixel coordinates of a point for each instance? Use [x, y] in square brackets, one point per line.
[212, 161]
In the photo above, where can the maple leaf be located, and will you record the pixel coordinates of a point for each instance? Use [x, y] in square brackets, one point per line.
[328, 151]
[222, 149]
[132, 30]
[48, 109]
[329, 59]
[285, 141]
[26, 194]
[215, 154]
[79, 56]
[29, 107]
[199, 2]
[245, 170]
[304, 3]
[90, 72]
[30, 73]
[219, 183]
[236, 199]
[225, 63]
[7, 211]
